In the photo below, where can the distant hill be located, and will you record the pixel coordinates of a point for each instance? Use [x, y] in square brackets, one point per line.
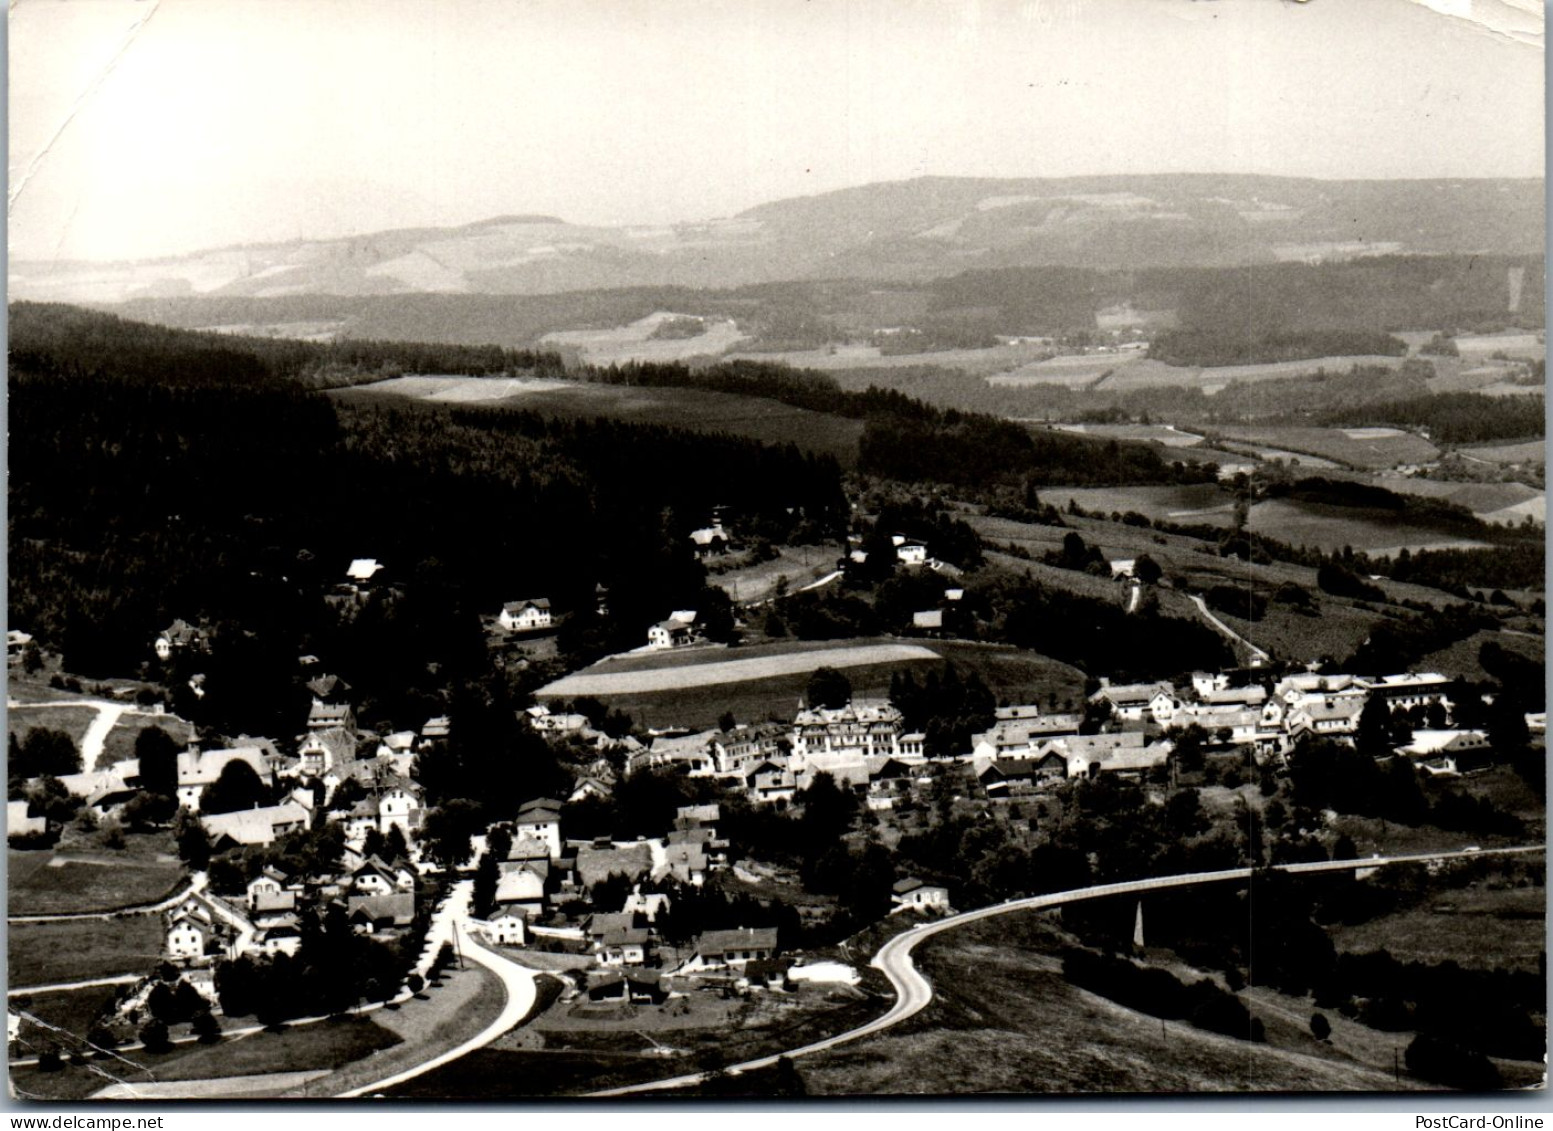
[906, 231]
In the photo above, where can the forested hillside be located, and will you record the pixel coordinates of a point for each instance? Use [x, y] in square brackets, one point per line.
[157, 475]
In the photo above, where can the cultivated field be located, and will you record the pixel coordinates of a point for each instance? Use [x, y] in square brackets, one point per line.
[1166, 434]
[602, 680]
[993, 359]
[1120, 372]
[1010, 673]
[1357, 447]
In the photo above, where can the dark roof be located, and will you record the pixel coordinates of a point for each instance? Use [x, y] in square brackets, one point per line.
[741, 938]
[399, 907]
[910, 883]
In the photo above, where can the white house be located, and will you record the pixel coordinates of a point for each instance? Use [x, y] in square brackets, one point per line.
[911, 554]
[507, 925]
[540, 819]
[912, 892]
[680, 629]
[529, 615]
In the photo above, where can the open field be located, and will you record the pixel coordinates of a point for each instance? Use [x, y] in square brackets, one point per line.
[1461, 658]
[1123, 371]
[72, 720]
[1009, 672]
[77, 878]
[1355, 447]
[607, 681]
[1532, 451]
[799, 564]
[573, 1062]
[635, 342]
[993, 359]
[1166, 434]
[1475, 927]
[71, 1010]
[258, 1064]
[1332, 528]
[1529, 346]
[41, 954]
[1291, 636]
[120, 743]
[1003, 1019]
[1192, 504]
[755, 418]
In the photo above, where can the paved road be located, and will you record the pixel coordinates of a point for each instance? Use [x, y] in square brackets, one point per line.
[197, 882]
[517, 981]
[1202, 607]
[913, 992]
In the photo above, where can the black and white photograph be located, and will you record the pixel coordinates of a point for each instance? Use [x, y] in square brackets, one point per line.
[774, 549]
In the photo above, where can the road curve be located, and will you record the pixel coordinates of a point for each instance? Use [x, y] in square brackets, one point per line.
[517, 981]
[913, 992]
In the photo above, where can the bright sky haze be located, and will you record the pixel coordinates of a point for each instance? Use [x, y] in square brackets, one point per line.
[152, 127]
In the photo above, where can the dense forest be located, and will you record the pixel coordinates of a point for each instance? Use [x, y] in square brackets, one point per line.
[1453, 418]
[149, 483]
[1231, 345]
[907, 439]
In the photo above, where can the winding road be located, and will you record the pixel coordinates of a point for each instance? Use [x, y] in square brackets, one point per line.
[913, 992]
[517, 981]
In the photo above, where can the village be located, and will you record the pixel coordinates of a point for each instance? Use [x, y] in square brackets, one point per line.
[330, 830]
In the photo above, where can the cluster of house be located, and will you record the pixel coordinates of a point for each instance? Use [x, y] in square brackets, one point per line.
[377, 897]
[866, 745]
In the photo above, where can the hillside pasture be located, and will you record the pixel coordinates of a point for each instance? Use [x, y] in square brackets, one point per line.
[1476, 927]
[1509, 501]
[70, 950]
[73, 721]
[1194, 503]
[1331, 528]
[799, 564]
[1531, 451]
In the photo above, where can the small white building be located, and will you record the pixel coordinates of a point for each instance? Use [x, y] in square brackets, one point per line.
[912, 892]
[678, 630]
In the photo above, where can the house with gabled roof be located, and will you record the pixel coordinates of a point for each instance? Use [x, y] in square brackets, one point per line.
[530, 615]
[508, 925]
[375, 914]
[735, 948]
[540, 819]
[180, 636]
[258, 826]
[327, 716]
[198, 769]
[678, 630]
[203, 926]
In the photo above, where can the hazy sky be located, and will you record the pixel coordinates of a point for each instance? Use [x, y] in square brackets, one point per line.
[144, 127]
